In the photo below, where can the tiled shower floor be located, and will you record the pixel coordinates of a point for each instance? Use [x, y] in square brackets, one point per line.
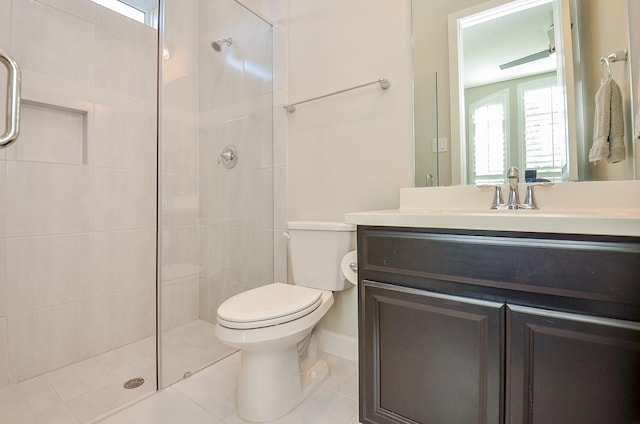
[86, 391]
[82, 391]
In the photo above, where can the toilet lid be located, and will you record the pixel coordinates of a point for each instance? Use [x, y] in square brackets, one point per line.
[268, 305]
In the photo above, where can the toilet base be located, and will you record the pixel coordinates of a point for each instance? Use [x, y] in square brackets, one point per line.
[313, 377]
[270, 383]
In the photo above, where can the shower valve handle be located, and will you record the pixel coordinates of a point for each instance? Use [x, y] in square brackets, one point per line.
[229, 156]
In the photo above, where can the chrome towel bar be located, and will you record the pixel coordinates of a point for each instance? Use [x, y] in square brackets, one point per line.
[13, 101]
[384, 84]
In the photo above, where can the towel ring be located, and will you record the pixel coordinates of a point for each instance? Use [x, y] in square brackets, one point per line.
[604, 61]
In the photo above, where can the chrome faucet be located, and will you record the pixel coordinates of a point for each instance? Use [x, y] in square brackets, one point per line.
[514, 197]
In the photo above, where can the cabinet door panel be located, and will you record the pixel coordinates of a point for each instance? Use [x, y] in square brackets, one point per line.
[435, 358]
[567, 368]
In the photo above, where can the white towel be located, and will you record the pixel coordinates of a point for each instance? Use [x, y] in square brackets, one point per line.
[637, 123]
[608, 124]
[617, 150]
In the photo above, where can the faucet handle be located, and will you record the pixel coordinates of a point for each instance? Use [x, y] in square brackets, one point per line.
[529, 201]
[498, 202]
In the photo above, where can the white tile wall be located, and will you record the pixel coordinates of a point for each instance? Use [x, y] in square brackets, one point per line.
[54, 199]
[124, 137]
[4, 340]
[237, 254]
[83, 10]
[279, 58]
[4, 353]
[3, 196]
[5, 27]
[3, 106]
[225, 84]
[179, 141]
[180, 39]
[180, 245]
[180, 201]
[180, 299]
[114, 48]
[45, 271]
[69, 55]
[213, 292]
[3, 280]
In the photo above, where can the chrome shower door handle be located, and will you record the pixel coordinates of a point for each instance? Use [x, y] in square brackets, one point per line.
[13, 100]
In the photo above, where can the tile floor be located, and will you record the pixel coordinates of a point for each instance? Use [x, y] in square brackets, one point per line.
[209, 397]
[88, 391]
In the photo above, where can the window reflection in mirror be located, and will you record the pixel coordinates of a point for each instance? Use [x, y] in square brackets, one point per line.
[514, 106]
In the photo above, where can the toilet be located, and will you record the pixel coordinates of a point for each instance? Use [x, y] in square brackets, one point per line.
[276, 326]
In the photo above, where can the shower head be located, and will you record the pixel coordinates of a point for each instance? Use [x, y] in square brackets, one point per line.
[217, 45]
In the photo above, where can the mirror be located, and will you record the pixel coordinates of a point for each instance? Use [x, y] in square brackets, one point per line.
[567, 69]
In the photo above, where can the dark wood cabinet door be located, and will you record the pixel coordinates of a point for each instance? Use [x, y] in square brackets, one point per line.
[429, 358]
[566, 368]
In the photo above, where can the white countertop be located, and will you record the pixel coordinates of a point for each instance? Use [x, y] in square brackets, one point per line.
[602, 222]
[609, 208]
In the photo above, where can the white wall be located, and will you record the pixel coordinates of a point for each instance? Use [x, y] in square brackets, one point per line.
[598, 40]
[77, 196]
[350, 152]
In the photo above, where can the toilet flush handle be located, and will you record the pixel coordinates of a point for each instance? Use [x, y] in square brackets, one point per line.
[286, 235]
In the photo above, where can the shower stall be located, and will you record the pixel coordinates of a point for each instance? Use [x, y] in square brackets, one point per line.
[122, 222]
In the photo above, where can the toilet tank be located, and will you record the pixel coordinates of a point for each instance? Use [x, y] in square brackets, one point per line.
[316, 249]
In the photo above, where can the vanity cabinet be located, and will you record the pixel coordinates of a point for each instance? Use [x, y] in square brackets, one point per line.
[498, 327]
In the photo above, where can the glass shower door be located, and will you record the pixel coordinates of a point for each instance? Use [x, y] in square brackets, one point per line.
[77, 212]
[216, 197]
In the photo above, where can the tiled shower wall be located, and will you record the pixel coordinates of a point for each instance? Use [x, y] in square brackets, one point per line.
[77, 190]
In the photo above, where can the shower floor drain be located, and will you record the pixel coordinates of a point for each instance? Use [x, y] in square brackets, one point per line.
[133, 383]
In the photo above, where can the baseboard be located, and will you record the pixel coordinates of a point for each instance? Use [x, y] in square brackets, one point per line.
[339, 345]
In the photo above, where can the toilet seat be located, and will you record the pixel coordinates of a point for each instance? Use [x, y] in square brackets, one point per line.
[268, 305]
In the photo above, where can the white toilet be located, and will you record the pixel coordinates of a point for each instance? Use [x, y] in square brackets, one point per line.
[272, 325]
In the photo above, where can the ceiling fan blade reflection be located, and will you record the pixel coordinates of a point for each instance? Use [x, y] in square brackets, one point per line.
[526, 59]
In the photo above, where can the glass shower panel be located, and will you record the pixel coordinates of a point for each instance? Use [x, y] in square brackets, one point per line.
[216, 213]
[77, 213]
